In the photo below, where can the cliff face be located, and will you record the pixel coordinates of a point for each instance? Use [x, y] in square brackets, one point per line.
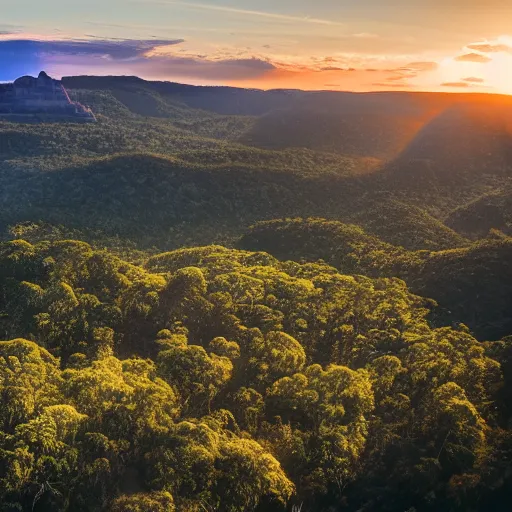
[29, 98]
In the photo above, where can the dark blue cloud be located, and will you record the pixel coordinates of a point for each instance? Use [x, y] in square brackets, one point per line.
[22, 57]
[114, 49]
[201, 68]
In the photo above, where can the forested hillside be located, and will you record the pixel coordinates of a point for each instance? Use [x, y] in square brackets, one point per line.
[219, 299]
[490, 211]
[471, 284]
[227, 380]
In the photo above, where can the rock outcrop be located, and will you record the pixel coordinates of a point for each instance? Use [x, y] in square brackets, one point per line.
[41, 98]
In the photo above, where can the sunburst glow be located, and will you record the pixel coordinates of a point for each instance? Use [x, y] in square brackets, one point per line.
[483, 66]
[305, 45]
[498, 73]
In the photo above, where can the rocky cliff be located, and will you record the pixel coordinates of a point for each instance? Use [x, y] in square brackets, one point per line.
[42, 98]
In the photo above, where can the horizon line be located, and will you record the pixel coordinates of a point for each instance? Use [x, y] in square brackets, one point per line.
[275, 89]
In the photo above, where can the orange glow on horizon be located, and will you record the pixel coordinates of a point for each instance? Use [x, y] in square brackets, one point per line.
[478, 67]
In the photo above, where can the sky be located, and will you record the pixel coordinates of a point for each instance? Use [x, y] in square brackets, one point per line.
[362, 45]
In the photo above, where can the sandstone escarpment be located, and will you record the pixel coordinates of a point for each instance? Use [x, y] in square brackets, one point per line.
[41, 98]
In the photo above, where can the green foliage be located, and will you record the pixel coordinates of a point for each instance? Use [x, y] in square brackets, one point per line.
[404, 224]
[453, 278]
[141, 502]
[316, 375]
[218, 379]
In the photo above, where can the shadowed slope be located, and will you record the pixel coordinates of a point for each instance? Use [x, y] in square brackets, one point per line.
[466, 141]
[472, 284]
[404, 224]
[491, 211]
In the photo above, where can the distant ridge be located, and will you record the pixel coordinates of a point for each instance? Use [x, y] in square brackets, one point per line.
[219, 99]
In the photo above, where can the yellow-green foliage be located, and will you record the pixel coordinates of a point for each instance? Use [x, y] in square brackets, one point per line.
[217, 379]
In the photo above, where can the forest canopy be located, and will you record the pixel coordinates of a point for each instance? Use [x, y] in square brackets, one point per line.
[231, 300]
[220, 379]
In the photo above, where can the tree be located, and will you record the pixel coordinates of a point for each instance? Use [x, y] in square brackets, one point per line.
[144, 502]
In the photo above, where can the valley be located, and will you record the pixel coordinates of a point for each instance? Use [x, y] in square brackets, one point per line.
[239, 300]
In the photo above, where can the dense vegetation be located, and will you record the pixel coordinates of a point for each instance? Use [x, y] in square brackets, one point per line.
[471, 284]
[491, 211]
[225, 380]
[345, 345]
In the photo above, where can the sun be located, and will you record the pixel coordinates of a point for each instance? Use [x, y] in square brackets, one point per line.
[478, 70]
[498, 73]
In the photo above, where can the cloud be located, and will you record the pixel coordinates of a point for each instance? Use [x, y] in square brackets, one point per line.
[401, 77]
[490, 48]
[253, 63]
[118, 49]
[387, 85]
[473, 57]
[246, 12]
[333, 68]
[203, 69]
[455, 84]
[474, 80]
[395, 78]
[27, 56]
[365, 35]
[422, 66]
[115, 49]
[413, 69]
[9, 29]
